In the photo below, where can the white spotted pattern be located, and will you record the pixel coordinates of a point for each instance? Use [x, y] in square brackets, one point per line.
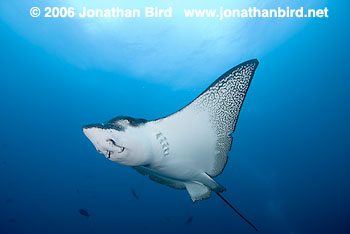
[224, 99]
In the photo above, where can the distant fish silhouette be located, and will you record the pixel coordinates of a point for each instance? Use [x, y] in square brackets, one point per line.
[134, 193]
[189, 220]
[12, 220]
[83, 212]
[9, 201]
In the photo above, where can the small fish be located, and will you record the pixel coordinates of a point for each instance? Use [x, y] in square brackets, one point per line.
[83, 212]
[189, 220]
[9, 201]
[134, 193]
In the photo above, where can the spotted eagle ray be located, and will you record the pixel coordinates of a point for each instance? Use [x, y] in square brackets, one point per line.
[186, 149]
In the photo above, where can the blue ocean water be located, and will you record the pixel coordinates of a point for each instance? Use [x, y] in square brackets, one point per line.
[288, 170]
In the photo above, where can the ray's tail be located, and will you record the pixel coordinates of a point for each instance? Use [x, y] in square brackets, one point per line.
[236, 211]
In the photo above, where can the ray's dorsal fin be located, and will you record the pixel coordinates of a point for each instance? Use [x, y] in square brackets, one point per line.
[222, 101]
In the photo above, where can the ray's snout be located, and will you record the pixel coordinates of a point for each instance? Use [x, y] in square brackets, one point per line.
[87, 131]
[91, 129]
[92, 132]
[102, 138]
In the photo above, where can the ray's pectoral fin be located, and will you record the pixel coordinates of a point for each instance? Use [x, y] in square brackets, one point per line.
[160, 179]
[197, 190]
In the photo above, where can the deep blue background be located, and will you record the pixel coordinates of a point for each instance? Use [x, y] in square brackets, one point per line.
[288, 170]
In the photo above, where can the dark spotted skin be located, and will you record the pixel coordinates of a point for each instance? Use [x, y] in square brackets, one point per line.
[132, 121]
[223, 99]
[119, 123]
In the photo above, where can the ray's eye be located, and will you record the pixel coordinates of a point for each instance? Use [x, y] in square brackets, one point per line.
[112, 141]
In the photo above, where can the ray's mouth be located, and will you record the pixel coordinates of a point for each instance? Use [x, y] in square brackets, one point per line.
[108, 152]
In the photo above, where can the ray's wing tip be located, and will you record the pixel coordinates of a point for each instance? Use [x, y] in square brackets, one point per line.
[249, 64]
[254, 61]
